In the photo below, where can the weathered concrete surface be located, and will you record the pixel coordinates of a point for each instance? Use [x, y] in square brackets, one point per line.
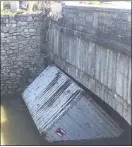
[23, 50]
[93, 45]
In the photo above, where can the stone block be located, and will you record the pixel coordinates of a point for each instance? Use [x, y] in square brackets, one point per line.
[12, 30]
[22, 23]
[14, 25]
[21, 38]
[9, 52]
[32, 30]
[13, 74]
[4, 29]
[2, 35]
[30, 18]
[25, 30]
[12, 21]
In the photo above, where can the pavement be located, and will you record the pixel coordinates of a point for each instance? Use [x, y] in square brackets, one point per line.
[18, 128]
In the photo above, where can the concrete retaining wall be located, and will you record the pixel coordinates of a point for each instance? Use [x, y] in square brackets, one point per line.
[93, 45]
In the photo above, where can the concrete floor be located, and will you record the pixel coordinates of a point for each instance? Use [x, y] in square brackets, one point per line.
[18, 128]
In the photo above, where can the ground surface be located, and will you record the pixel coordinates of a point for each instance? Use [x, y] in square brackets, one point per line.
[18, 128]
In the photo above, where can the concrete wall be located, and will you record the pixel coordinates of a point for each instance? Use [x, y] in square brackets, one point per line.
[23, 50]
[93, 45]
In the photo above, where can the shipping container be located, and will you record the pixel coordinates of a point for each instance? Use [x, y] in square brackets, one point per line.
[63, 111]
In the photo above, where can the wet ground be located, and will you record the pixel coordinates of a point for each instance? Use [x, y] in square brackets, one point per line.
[18, 128]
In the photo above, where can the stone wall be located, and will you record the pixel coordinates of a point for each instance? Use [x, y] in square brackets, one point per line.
[23, 50]
[93, 45]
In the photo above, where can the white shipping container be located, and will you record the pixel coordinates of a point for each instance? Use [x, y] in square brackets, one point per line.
[62, 110]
